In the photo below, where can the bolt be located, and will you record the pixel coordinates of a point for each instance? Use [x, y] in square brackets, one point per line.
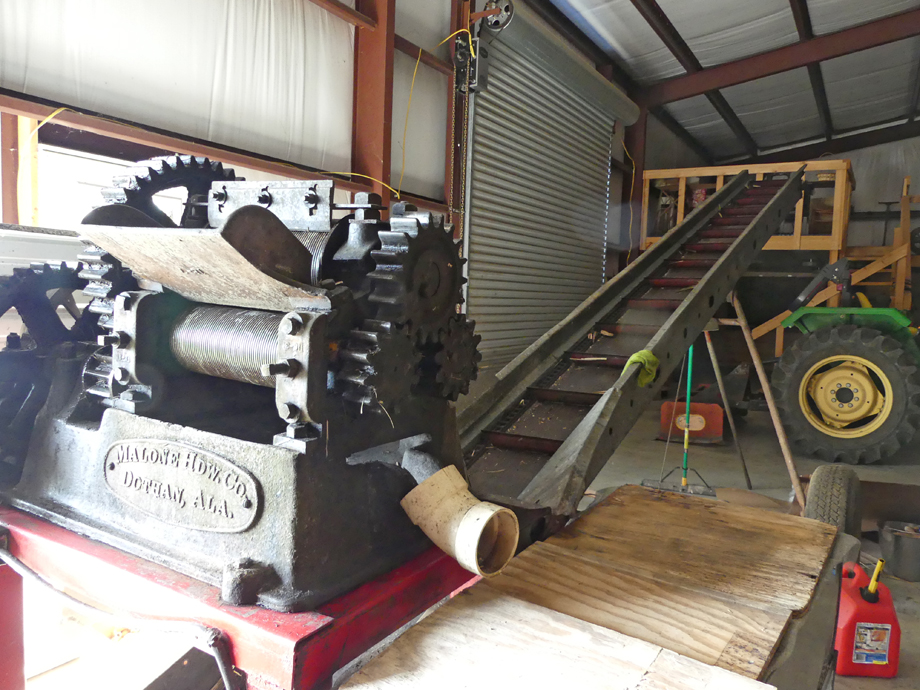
[289, 412]
[286, 367]
[119, 339]
[856, 390]
[265, 198]
[848, 385]
[291, 324]
[219, 195]
[839, 405]
[123, 376]
[850, 405]
[833, 399]
[247, 503]
[856, 399]
[13, 341]
[839, 386]
[311, 198]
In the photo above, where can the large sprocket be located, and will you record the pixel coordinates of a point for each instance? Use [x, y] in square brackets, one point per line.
[419, 275]
[137, 186]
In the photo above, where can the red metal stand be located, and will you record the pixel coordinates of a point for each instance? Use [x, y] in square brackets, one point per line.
[275, 650]
[11, 649]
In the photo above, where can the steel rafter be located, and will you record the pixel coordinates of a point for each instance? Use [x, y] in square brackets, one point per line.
[801, 54]
[915, 98]
[674, 42]
[806, 33]
[841, 143]
[610, 68]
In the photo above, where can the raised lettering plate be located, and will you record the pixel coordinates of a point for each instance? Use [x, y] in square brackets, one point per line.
[182, 485]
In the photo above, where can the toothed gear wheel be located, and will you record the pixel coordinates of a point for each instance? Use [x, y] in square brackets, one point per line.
[27, 290]
[140, 182]
[452, 363]
[419, 275]
[380, 366]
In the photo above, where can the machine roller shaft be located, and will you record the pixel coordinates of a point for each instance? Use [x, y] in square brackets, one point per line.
[227, 342]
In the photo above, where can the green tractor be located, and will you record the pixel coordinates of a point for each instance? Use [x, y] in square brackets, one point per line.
[849, 388]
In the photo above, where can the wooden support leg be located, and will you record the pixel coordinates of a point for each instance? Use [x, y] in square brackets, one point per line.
[727, 407]
[771, 403]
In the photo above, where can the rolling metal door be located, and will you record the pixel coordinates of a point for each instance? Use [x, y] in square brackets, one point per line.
[539, 175]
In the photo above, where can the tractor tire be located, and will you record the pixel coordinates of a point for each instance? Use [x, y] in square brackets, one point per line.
[834, 497]
[878, 384]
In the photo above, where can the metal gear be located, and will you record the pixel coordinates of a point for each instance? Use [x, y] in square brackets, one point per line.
[196, 174]
[27, 290]
[452, 363]
[36, 293]
[131, 204]
[419, 275]
[380, 366]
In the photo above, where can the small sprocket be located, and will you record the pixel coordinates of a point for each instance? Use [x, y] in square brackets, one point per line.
[380, 366]
[452, 362]
[419, 275]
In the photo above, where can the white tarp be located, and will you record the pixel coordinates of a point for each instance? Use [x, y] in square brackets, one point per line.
[270, 76]
[425, 23]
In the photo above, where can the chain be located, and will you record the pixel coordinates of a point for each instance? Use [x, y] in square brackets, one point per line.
[459, 211]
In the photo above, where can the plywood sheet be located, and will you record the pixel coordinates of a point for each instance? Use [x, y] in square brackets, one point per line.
[700, 626]
[759, 558]
[486, 639]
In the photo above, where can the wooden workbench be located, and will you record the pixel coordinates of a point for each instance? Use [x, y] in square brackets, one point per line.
[646, 590]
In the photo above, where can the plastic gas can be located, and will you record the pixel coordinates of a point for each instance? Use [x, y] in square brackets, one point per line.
[868, 638]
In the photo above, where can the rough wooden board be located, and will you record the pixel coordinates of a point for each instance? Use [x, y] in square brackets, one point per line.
[695, 624]
[484, 639]
[744, 555]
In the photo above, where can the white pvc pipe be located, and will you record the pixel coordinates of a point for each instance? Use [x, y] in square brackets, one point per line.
[482, 536]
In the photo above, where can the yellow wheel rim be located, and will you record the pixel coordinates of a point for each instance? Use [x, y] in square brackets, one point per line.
[845, 396]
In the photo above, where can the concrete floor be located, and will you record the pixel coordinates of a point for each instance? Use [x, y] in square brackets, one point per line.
[641, 456]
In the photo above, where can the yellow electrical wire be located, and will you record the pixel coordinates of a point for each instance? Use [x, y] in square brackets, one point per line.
[406, 126]
[397, 191]
[460, 31]
[632, 187]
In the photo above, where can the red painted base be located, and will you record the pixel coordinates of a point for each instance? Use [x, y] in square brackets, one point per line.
[275, 650]
[11, 649]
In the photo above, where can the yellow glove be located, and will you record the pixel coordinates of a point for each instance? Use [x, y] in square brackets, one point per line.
[649, 364]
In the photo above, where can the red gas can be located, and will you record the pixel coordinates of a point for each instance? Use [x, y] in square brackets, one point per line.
[868, 638]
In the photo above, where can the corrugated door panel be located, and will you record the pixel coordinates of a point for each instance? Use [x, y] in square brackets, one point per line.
[539, 181]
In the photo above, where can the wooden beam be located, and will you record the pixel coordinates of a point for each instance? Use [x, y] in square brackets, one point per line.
[9, 168]
[39, 108]
[827, 293]
[674, 42]
[343, 11]
[803, 25]
[406, 46]
[840, 144]
[801, 54]
[372, 129]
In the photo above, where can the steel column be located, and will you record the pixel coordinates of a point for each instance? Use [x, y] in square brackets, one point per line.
[373, 94]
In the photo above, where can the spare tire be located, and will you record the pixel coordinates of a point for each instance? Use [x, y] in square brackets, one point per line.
[834, 497]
